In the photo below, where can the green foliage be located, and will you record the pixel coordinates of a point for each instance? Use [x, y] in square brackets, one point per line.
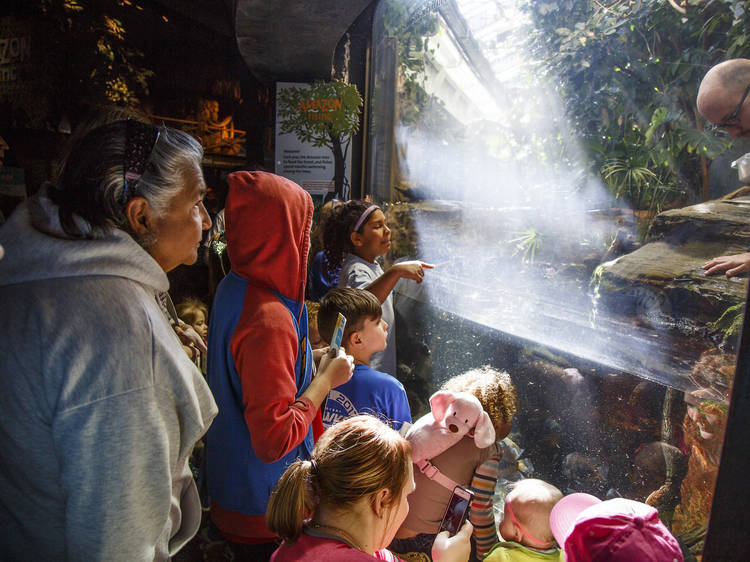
[628, 73]
[412, 29]
[83, 60]
[729, 323]
[594, 289]
[101, 66]
[527, 244]
[628, 178]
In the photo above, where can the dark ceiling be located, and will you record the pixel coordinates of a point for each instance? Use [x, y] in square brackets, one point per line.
[292, 40]
[278, 39]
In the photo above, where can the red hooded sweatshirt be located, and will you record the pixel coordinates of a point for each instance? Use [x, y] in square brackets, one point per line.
[259, 359]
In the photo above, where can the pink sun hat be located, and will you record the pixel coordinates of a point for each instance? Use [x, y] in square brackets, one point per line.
[616, 530]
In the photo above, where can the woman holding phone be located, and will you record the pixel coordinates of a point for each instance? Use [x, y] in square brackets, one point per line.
[348, 500]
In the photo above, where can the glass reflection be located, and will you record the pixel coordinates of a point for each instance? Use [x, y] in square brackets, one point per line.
[622, 351]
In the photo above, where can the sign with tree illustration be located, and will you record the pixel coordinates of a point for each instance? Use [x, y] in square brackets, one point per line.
[314, 126]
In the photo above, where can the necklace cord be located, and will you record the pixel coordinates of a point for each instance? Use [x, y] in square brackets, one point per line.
[345, 536]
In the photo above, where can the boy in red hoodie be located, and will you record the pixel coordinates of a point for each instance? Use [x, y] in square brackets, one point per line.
[260, 363]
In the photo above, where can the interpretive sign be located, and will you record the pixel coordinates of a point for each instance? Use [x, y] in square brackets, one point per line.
[299, 159]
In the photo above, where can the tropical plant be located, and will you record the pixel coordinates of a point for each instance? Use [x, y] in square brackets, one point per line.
[527, 244]
[629, 72]
[411, 29]
[90, 58]
[629, 178]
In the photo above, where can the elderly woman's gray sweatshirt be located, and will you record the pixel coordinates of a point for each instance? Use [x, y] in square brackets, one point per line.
[100, 407]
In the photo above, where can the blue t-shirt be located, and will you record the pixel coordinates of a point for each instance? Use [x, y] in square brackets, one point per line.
[368, 392]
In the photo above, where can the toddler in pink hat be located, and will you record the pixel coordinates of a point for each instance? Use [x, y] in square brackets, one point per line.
[616, 530]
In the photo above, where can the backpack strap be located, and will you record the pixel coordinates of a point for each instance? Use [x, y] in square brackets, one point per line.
[433, 473]
[427, 468]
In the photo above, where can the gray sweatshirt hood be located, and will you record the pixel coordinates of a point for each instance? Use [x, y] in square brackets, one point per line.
[36, 249]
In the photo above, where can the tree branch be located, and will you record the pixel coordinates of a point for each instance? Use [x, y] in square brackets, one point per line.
[677, 7]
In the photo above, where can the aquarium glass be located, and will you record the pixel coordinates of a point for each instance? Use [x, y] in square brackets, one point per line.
[547, 159]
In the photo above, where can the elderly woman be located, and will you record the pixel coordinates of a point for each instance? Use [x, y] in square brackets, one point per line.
[100, 405]
[347, 502]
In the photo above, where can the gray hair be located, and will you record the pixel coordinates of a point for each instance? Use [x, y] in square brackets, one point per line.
[92, 182]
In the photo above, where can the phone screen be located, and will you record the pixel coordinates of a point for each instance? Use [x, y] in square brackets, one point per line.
[457, 509]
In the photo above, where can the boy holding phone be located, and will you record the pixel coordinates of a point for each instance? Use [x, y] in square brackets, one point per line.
[368, 391]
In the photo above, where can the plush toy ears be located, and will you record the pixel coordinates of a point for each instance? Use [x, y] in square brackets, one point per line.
[439, 403]
[484, 432]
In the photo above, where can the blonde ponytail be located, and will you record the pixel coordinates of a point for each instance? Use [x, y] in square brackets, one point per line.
[291, 501]
[352, 460]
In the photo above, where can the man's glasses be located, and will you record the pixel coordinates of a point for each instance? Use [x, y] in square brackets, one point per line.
[733, 120]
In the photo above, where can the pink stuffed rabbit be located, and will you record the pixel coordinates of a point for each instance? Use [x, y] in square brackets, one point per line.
[454, 414]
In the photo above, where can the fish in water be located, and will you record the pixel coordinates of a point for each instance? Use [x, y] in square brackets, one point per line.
[584, 469]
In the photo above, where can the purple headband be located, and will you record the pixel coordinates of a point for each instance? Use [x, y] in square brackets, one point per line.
[363, 217]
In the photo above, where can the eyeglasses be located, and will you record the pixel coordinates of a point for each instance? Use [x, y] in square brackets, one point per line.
[733, 120]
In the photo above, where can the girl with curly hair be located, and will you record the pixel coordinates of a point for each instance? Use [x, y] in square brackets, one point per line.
[465, 464]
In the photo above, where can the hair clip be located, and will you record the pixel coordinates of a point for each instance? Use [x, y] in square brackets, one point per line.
[140, 139]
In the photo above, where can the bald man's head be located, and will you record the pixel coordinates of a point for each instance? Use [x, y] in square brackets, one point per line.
[720, 93]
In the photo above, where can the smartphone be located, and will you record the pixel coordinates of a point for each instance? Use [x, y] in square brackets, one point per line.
[457, 510]
[338, 334]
